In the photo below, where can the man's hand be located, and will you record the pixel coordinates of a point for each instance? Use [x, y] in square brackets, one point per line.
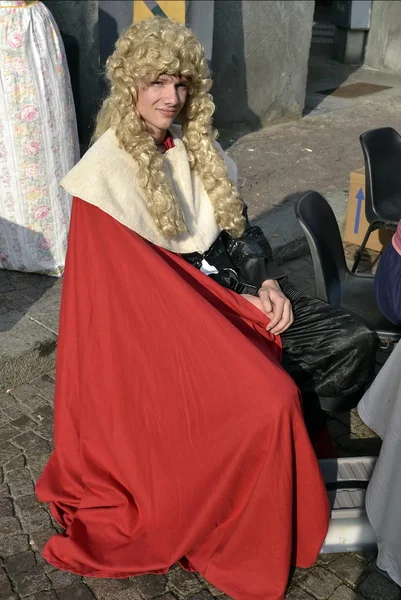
[276, 306]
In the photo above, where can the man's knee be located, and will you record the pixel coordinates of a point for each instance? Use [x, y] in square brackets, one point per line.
[363, 339]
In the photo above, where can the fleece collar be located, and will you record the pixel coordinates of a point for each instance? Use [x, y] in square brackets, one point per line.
[106, 177]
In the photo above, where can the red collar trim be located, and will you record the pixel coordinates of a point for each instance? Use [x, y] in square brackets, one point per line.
[168, 142]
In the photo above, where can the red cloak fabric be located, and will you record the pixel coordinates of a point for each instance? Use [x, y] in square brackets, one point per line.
[178, 436]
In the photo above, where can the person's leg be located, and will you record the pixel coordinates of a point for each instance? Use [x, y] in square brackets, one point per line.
[327, 352]
[388, 285]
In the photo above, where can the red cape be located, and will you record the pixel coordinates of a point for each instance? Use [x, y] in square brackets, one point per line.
[178, 436]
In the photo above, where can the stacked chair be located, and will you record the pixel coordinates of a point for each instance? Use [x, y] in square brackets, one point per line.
[382, 153]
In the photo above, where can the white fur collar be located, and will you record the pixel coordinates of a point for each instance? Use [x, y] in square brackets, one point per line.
[106, 178]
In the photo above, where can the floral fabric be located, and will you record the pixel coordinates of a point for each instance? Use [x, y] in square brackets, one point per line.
[38, 140]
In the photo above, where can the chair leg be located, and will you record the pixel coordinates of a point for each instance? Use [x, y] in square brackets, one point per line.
[358, 255]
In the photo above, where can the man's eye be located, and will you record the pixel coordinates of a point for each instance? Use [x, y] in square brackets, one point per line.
[157, 83]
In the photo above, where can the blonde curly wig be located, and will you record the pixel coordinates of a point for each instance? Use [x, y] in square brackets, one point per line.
[144, 52]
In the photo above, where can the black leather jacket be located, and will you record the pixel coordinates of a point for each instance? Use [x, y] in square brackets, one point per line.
[243, 263]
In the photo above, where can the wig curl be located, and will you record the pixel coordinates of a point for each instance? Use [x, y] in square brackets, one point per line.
[143, 52]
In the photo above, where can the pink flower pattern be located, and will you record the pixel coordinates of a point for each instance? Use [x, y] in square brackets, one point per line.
[15, 39]
[32, 148]
[33, 171]
[18, 65]
[39, 144]
[29, 112]
[44, 243]
[40, 213]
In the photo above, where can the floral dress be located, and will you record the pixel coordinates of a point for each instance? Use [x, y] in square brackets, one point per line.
[38, 139]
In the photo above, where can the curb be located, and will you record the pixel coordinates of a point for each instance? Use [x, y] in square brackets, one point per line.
[28, 350]
[283, 232]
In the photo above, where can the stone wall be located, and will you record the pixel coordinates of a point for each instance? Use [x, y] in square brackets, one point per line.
[260, 60]
[259, 54]
[200, 18]
[383, 47]
[114, 17]
[79, 21]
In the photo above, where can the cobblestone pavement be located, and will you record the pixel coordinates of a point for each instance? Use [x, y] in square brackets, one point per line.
[26, 421]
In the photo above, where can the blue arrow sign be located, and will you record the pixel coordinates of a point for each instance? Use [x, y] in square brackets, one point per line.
[360, 198]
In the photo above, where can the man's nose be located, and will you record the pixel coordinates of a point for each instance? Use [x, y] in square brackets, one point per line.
[171, 95]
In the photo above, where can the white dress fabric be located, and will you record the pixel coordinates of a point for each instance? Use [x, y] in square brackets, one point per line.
[380, 409]
[38, 139]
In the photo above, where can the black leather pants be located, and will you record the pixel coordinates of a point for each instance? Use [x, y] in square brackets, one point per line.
[329, 354]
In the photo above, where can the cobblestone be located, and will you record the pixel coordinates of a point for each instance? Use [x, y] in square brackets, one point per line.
[5, 586]
[113, 589]
[39, 538]
[32, 581]
[296, 593]
[13, 544]
[365, 557]
[50, 595]
[150, 586]
[326, 559]
[23, 423]
[350, 419]
[299, 574]
[377, 586]
[8, 452]
[63, 579]
[35, 520]
[28, 398]
[45, 386]
[28, 503]
[9, 526]
[6, 508]
[4, 490]
[20, 482]
[3, 418]
[363, 431]
[7, 432]
[81, 592]
[20, 563]
[203, 595]
[321, 583]
[184, 584]
[345, 593]
[349, 570]
[213, 590]
[9, 406]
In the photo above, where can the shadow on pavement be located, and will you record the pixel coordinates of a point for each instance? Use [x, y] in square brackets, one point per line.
[25, 293]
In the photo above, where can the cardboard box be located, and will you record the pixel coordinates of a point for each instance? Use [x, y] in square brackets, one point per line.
[356, 224]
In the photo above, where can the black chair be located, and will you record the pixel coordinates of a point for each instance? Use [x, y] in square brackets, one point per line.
[335, 283]
[382, 154]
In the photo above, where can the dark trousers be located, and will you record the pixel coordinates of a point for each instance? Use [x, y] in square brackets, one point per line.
[327, 352]
[388, 284]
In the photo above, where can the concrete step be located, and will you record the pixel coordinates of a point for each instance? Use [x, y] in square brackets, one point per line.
[29, 309]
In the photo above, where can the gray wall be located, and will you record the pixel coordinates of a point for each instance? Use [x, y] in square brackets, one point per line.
[260, 60]
[79, 19]
[383, 47]
[199, 17]
[114, 17]
[259, 57]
